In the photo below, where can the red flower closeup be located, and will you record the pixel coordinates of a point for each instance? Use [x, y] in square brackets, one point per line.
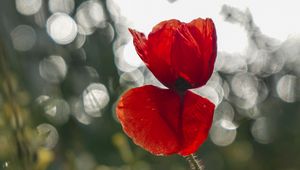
[175, 120]
[180, 55]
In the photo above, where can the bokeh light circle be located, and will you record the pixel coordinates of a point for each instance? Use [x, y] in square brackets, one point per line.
[286, 87]
[53, 68]
[28, 7]
[65, 6]
[23, 37]
[95, 98]
[49, 134]
[61, 28]
[89, 16]
[223, 132]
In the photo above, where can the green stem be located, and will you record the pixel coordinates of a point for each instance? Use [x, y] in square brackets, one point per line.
[194, 162]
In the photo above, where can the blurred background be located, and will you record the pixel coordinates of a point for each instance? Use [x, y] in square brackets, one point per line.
[65, 63]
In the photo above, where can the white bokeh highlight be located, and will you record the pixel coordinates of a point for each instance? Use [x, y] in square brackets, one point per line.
[61, 28]
[53, 69]
[28, 7]
[89, 16]
[65, 6]
[95, 97]
[49, 135]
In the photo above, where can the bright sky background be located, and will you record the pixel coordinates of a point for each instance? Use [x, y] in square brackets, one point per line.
[278, 19]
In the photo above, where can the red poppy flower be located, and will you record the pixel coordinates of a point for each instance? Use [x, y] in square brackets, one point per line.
[175, 120]
[180, 55]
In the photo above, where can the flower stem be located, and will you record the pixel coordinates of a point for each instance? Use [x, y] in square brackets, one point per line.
[194, 162]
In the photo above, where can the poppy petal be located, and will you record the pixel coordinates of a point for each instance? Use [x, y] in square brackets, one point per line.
[160, 41]
[168, 24]
[140, 43]
[150, 116]
[186, 57]
[204, 32]
[197, 118]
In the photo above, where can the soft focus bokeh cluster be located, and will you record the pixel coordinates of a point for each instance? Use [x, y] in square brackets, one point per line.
[64, 64]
